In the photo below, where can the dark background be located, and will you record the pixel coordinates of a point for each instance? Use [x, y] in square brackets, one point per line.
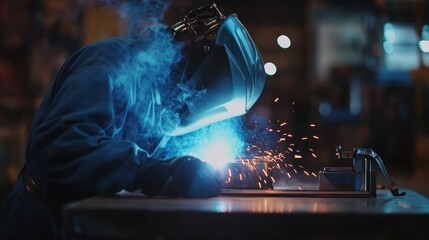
[354, 69]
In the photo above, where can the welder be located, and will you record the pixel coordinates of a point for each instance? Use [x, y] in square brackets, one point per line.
[98, 127]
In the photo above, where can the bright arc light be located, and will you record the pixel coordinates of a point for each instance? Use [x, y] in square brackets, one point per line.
[216, 144]
[218, 153]
[270, 68]
[284, 41]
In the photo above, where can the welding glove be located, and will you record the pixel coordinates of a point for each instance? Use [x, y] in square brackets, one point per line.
[185, 176]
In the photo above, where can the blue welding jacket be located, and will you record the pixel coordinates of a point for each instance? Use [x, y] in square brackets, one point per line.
[84, 138]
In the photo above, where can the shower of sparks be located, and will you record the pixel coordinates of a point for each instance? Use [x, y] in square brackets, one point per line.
[257, 167]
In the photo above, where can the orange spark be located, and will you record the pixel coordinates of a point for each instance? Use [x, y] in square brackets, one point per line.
[265, 172]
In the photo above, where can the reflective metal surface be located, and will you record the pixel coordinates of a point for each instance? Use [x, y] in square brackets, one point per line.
[134, 216]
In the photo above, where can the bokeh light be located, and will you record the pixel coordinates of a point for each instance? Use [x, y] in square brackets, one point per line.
[284, 41]
[270, 68]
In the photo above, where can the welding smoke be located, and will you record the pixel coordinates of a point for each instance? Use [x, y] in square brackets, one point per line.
[148, 71]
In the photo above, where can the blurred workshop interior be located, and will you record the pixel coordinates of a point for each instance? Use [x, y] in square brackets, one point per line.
[356, 71]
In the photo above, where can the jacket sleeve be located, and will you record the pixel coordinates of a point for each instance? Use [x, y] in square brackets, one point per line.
[74, 150]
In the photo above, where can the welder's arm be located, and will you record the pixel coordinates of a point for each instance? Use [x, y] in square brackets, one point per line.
[73, 143]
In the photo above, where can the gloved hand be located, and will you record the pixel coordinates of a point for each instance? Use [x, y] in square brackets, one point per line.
[181, 177]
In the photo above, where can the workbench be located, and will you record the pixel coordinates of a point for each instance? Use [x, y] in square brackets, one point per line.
[135, 216]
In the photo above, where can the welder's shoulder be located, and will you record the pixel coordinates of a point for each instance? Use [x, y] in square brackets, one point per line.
[104, 51]
[109, 47]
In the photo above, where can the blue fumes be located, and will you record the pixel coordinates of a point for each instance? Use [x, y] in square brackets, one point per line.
[146, 84]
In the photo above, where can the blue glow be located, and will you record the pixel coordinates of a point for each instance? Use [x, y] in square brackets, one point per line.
[325, 108]
[425, 32]
[216, 144]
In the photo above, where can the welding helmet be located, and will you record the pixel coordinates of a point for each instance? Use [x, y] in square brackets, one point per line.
[223, 65]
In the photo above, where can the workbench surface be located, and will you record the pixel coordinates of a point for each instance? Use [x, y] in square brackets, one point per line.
[134, 216]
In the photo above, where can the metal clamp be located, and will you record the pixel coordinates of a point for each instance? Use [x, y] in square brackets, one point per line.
[365, 153]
